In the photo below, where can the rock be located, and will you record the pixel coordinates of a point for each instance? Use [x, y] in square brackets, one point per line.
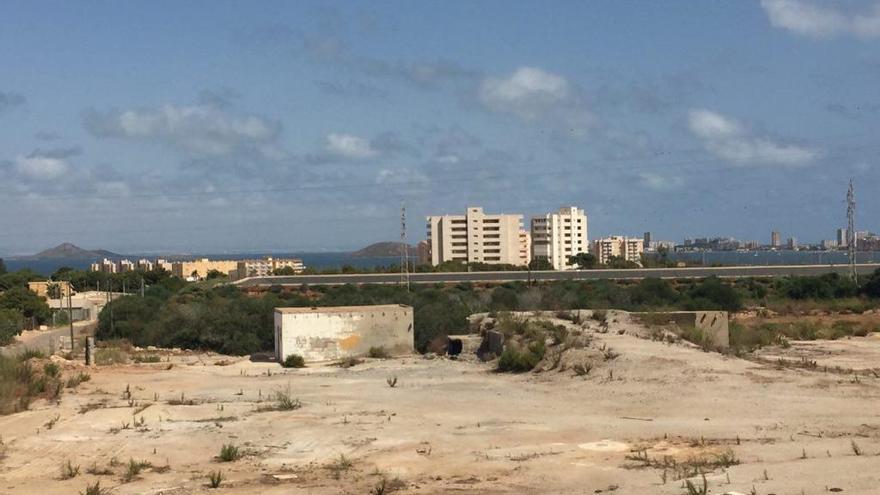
[493, 343]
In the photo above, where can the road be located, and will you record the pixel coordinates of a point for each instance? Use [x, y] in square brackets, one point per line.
[46, 340]
[524, 276]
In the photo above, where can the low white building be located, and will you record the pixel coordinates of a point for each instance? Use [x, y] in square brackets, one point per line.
[267, 266]
[331, 333]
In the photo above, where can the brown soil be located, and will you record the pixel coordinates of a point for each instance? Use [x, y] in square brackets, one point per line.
[459, 427]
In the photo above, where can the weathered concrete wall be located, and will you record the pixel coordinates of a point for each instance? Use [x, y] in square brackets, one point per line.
[326, 334]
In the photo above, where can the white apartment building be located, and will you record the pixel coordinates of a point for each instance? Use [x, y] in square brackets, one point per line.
[557, 236]
[525, 247]
[145, 265]
[628, 248]
[267, 266]
[105, 266]
[477, 237]
[125, 266]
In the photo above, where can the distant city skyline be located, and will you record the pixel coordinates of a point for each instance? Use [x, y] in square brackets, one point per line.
[221, 126]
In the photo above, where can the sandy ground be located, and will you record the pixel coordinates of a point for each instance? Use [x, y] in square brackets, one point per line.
[459, 427]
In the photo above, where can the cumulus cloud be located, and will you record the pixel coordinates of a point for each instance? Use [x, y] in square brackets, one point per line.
[528, 92]
[348, 146]
[533, 94]
[9, 100]
[822, 20]
[43, 165]
[204, 129]
[729, 139]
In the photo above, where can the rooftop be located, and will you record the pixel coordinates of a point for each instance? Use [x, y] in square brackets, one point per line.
[342, 309]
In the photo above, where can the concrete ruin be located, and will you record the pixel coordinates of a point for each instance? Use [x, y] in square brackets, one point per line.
[331, 333]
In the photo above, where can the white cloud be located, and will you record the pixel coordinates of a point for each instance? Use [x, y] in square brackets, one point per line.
[535, 95]
[349, 146]
[198, 129]
[822, 20]
[40, 167]
[728, 139]
[527, 92]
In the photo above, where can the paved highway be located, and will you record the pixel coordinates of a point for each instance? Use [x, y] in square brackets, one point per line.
[523, 276]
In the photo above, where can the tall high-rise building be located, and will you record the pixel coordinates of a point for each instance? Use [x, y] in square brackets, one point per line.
[792, 243]
[648, 239]
[477, 237]
[558, 236]
[842, 237]
[775, 239]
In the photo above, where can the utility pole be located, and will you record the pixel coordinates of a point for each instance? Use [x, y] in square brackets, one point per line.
[404, 255]
[70, 315]
[110, 303]
[142, 287]
[851, 232]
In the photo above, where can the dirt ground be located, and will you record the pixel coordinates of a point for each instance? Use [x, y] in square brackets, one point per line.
[630, 426]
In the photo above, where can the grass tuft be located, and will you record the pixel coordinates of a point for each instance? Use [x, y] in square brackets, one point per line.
[229, 453]
[215, 478]
[95, 490]
[69, 471]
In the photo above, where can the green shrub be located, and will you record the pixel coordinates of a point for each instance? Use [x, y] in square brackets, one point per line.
[229, 453]
[294, 361]
[51, 369]
[133, 469]
[378, 353]
[110, 355]
[20, 383]
[74, 380]
[520, 360]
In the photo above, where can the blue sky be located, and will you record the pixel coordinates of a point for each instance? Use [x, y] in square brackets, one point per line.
[297, 126]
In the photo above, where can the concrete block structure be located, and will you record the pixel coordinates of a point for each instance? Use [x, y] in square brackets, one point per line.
[331, 333]
[558, 236]
[478, 237]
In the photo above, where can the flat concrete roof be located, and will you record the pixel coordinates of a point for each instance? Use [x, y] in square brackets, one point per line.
[342, 309]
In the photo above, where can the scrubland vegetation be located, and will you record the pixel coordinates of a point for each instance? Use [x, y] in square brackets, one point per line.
[29, 376]
[228, 320]
[223, 318]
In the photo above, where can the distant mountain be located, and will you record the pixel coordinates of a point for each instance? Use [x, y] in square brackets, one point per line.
[383, 249]
[71, 251]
